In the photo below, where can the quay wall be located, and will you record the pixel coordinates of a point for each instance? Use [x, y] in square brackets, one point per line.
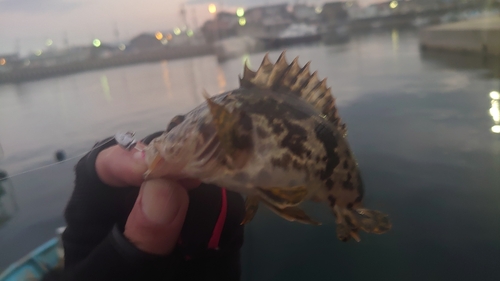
[480, 36]
[36, 73]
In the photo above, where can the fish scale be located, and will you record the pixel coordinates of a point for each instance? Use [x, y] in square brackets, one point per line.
[279, 140]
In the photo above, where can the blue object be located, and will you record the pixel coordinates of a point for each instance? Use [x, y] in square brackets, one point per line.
[34, 265]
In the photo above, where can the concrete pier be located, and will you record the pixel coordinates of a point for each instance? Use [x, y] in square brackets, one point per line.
[480, 36]
[170, 53]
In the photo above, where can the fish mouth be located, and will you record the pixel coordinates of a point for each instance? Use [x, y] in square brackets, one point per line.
[196, 156]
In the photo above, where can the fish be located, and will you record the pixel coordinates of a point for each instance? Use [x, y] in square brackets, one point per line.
[278, 140]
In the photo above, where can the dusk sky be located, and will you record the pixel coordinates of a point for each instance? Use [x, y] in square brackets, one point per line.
[32, 22]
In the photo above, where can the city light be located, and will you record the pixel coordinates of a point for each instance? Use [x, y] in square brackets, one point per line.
[49, 42]
[164, 41]
[189, 32]
[169, 36]
[122, 47]
[212, 8]
[318, 10]
[495, 111]
[3, 61]
[159, 35]
[394, 4]
[27, 62]
[96, 43]
[240, 12]
[38, 53]
[177, 31]
[242, 21]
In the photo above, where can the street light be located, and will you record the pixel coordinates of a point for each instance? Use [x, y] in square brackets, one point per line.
[242, 21]
[49, 42]
[394, 4]
[240, 12]
[158, 35]
[3, 61]
[212, 8]
[96, 43]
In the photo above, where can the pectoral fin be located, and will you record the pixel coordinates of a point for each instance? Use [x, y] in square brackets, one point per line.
[284, 197]
[280, 201]
[234, 130]
[251, 207]
[292, 214]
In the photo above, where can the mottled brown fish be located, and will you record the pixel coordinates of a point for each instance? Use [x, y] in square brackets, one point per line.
[278, 140]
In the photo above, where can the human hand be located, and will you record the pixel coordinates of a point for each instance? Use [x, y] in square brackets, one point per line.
[118, 167]
[155, 222]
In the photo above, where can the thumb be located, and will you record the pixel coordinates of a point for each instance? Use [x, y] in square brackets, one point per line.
[155, 222]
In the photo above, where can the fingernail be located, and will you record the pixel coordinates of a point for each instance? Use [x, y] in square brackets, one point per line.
[139, 155]
[159, 201]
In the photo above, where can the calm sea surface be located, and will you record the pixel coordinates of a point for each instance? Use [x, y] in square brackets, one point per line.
[418, 124]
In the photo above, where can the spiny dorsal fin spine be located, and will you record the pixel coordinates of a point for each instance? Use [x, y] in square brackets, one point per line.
[301, 78]
[248, 75]
[291, 78]
[318, 92]
[310, 84]
[247, 72]
[277, 73]
[262, 74]
[291, 74]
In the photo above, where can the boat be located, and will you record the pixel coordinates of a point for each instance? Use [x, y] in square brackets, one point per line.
[233, 47]
[335, 32]
[46, 258]
[294, 34]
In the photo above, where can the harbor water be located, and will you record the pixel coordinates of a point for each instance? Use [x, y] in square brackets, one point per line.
[419, 124]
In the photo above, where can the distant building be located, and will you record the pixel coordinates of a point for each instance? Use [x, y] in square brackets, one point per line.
[267, 21]
[305, 13]
[144, 41]
[334, 12]
[272, 15]
[55, 57]
[223, 26]
[9, 62]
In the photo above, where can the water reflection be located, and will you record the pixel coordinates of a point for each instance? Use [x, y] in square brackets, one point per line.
[395, 40]
[166, 78]
[413, 124]
[246, 60]
[221, 79]
[105, 88]
[495, 111]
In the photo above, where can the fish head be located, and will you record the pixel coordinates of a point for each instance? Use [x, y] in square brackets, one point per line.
[208, 142]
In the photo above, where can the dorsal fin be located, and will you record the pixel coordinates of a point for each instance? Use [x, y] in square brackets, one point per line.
[296, 80]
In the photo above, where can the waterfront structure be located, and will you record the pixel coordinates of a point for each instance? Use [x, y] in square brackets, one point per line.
[479, 36]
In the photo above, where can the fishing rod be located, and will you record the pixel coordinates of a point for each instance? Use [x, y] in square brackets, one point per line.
[125, 140]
